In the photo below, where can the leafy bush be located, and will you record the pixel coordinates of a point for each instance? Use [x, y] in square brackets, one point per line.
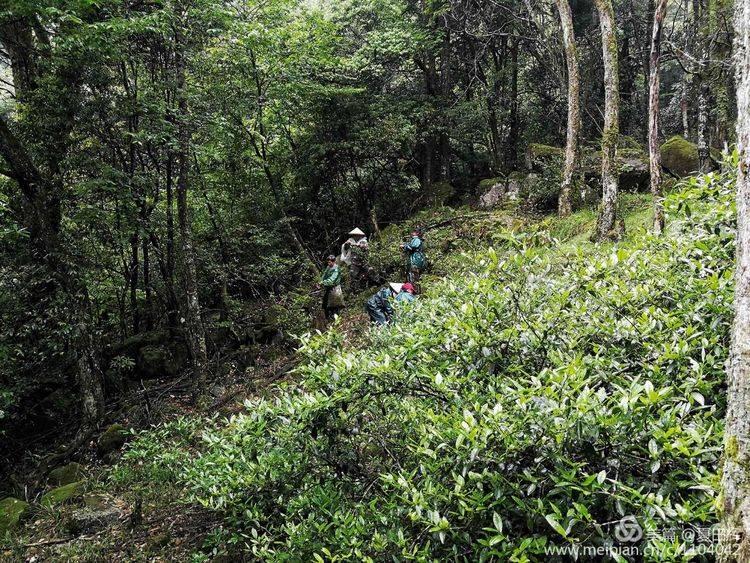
[532, 403]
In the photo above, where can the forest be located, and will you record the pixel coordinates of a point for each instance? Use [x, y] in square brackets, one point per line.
[374, 280]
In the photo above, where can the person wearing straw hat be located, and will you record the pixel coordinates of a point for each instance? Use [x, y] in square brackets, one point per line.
[354, 254]
[379, 306]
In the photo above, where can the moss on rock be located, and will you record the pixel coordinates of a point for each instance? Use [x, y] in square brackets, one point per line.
[489, 183]
[12, 512]
[112, 439]
[66, 474]
[538, 149]
[679, 156]
[95, 501]
[61, 495]
[542, 157]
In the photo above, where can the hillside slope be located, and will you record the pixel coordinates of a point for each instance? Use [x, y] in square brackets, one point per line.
[542, 390]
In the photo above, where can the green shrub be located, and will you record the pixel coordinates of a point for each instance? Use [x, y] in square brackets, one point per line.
[533, 403]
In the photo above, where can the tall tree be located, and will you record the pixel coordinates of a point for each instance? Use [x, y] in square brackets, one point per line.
[653, 116]
[41, 187]
[607, 222]
[700, 27]
[565, 202]
[736, 472]
[195, 333]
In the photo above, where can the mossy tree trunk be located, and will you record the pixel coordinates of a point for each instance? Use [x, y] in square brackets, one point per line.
[193, 323]
[653, 117]
[445, 94]
[702, 76]
[511, 145]
[735, 506]
[606, 223]
[41, 214]
[565, 202]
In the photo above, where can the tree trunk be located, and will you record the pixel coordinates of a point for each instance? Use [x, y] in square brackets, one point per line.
[445, 92]
[565, 202]
[193, 323]
[653, 117]
[149, 310]
[704, 160]
[42, 217]
[684, 108]
[651, 10]
[172, 305]
[735, 482]
[606, 224]
[701, 53]
[511, 147]
[134, 274]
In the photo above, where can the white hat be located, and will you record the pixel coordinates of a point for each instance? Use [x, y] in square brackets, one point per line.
[357, 233]
[396, 287]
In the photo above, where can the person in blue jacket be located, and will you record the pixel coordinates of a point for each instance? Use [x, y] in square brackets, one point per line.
[379, 306]
[406, 295]
[415, 257]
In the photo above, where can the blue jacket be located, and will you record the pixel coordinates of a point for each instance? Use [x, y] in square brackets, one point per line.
[405, 297]
[382, 301]
[415, 249]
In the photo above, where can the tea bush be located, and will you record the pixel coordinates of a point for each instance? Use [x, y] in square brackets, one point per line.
[532, 403]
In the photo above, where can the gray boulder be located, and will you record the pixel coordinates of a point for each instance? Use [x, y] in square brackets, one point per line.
[66, 474]
[90, 519]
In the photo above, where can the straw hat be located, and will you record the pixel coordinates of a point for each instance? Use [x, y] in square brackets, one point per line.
[396, 287]
[357, 233]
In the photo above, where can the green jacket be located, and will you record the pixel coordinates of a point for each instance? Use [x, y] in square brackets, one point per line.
[331, 277]
[415, 249]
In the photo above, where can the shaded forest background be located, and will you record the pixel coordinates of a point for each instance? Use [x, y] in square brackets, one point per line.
[173, 172]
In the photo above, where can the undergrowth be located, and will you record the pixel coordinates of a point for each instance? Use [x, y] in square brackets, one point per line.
[533, 402]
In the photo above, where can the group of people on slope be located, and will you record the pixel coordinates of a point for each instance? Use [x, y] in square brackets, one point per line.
[354, 254]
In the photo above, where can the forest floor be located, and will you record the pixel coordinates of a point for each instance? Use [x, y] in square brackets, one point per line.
[151, 522]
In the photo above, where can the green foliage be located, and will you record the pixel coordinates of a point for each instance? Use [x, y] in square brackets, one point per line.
[531, 403]
[12, 511]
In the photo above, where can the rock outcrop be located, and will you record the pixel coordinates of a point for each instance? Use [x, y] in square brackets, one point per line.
[152, 354]
[539, 186]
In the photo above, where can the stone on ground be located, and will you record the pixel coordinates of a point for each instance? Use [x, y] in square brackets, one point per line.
[61, 495]
[12, 512]
[66, 474]
[89, 519]
[112, 439]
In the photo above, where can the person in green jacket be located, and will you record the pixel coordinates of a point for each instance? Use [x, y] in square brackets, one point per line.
[416, 260]
[331, 282]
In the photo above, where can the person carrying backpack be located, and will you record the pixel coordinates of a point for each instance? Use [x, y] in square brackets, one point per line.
[354, 255]
[416, 260]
